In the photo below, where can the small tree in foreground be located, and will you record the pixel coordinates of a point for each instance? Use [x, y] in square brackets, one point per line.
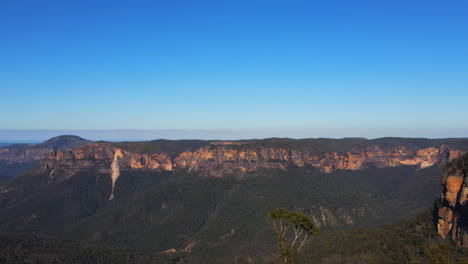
[290, 243]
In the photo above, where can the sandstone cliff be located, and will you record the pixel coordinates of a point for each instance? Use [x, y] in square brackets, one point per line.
[452, 209]
[24, 153]
[239, 158]
[224, 158]
[16, 159]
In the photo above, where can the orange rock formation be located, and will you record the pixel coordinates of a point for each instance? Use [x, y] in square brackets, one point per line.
[220, 159]
[452, 220]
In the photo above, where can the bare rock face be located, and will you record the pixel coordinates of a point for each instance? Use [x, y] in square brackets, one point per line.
[220, 159]
[452, 209]
[24, 153]
[16, 159]
[102, 155]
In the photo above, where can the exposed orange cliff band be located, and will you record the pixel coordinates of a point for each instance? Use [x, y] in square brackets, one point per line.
[220, 159]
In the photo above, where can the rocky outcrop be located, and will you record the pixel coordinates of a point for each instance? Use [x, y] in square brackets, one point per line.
[21, 154]
[452, 209]
[16, 159]
[220, 159]
[104, 155]
[24, 153]
[216, 160]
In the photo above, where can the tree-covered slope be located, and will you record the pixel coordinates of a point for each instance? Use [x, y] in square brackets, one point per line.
[209, 217]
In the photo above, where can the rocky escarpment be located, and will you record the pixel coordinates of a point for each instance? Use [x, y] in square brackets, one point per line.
[452, 209]
[223, 158]
[24, 153]
[16, 159]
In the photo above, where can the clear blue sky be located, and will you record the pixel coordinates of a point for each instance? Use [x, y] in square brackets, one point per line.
[318, 68]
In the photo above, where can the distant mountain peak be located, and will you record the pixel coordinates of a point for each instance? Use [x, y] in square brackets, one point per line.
[64, 142]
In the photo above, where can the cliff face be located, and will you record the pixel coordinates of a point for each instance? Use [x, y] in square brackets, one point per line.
[16, 159]
[219, 159]
[452, 209]
[24, 153]
[21, 155]
[223, 158]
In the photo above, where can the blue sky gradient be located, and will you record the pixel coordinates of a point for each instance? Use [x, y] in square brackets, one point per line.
[287, 68]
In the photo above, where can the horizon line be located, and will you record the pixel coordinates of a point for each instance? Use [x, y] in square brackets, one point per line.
[135, 135]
